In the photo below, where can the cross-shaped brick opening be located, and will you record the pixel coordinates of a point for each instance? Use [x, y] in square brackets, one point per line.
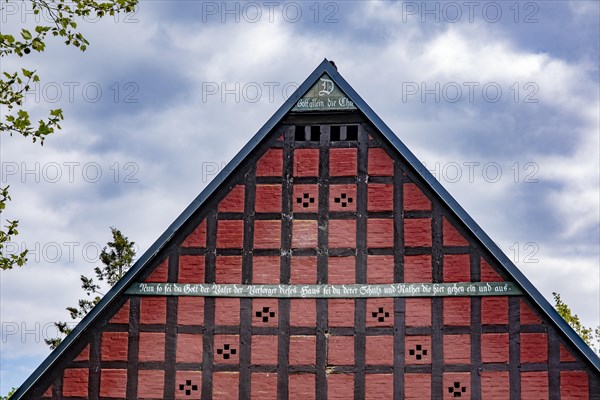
[418, 352]
[306, 200]
[265, 314]
[457, 390]
[227, 351]
[380, 314]
[344, 200]
[188, 387]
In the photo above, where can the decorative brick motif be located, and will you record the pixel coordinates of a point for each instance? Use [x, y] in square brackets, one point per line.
[306, 162]
[379, 350]
[302, 386]
[229, 269]
[227, 311]
[121, 316]
[306, 198]
[302, 350]
[303, 312]
[233, 201]
[342, 198]
[414, 199]
[534, 385]
[457, 268]
[574, 385]
[456, 385]
[380, 312]
[271, 163]
[342, 233]
[191, 269]
[304, 270]
[380, 269]
[268, 198]
[457, 349]
[304, 234]
[534, 347]
[151, 384]
[417, 232]
[380, 163]
[451, 236]
[189, 348]
[380, 197]
[417, 386]
[153, 310]
[342, 270]
[418, 312]
[340, 350]
[230, 234]
[265, 312]
[188, 384]
[379, 386]
[380, 232]
[190, 310]
[225, 385]
[263, 386]
[227, 349]
[114, 346]
[343, 162]
[265, 270]
[341, 312]
[494, 347]
[160, 273]
[75, 382]
[152, 346]
[267, 234]
[417, 268]
[494, 310]
[113, 383]
[340, 386]
[417, 349]
[495, 385]
[264, 350]
[457, 311]
[197, 238]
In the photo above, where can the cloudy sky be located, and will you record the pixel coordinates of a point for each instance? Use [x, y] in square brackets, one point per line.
[499, 99]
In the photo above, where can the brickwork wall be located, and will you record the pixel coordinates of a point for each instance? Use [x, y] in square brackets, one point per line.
[321, 212]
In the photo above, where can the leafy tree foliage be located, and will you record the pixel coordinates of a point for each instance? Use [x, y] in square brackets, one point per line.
[14, 85]
[117, 257]
[12, 391]
[589, 335]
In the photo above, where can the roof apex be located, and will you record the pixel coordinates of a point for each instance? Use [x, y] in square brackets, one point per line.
[330, 69]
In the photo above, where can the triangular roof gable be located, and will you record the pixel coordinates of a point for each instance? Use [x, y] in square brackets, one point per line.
[148, 259]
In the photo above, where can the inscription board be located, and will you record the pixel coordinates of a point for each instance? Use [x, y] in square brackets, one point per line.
[327, 291]
[324, 96]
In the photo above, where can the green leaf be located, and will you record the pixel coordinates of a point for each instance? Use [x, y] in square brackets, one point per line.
[26, 34]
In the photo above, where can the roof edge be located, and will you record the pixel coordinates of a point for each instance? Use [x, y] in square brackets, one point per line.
[411, 159]
[469, 222]
[166, 236]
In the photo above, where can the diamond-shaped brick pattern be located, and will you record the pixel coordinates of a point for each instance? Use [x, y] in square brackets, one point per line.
[305, 199]
[227, 351]
[456, 385]
[342, 198]
[264, 314]
[380, 312]
[417, 349]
